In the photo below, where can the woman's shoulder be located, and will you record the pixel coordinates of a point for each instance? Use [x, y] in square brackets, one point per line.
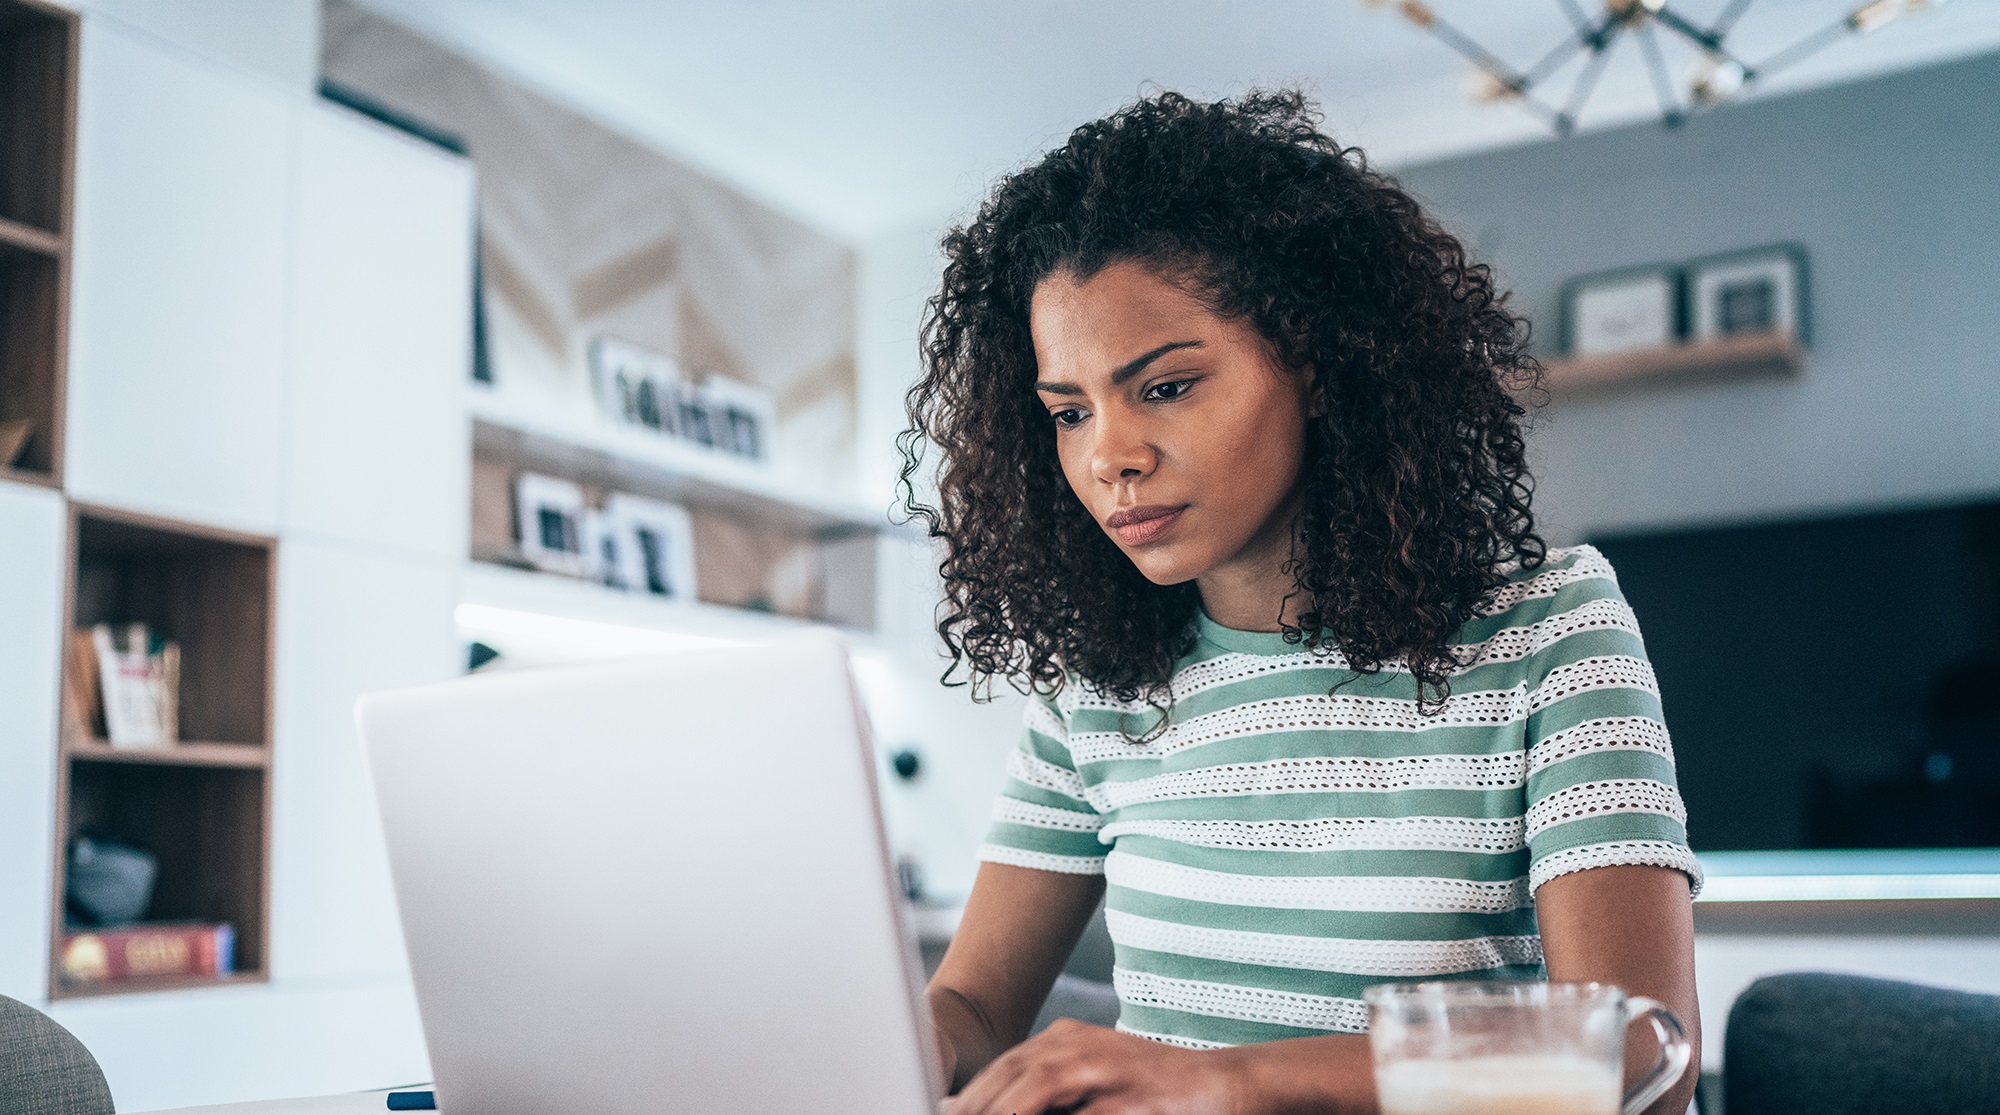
[1569, 574]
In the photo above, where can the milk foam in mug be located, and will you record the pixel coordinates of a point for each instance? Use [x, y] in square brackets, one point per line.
[1479, 1047]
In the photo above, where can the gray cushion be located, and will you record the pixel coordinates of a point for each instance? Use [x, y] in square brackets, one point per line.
[44, 1070]
[1813, 1043]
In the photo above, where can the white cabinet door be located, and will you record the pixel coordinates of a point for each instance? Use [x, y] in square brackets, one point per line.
[376, 439]
[33, 538]
[348, 623]
[177, 307]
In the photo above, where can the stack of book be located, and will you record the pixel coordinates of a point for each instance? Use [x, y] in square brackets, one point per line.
[147, 952]
[126, 685]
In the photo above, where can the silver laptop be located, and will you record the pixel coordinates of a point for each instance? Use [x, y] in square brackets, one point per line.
[652, 885]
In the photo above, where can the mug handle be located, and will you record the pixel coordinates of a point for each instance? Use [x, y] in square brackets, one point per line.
[1674, 1053]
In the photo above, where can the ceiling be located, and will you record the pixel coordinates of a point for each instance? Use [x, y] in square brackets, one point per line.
[872, 115]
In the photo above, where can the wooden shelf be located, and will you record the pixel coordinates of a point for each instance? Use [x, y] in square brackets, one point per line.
[208, 829]
[1755, 354]
[159, 983]
[38, 44]
[758, 546]
[38, 52]
[182, 754]
[27, 476]
[649, 465]
[28, 238]
[201, 808]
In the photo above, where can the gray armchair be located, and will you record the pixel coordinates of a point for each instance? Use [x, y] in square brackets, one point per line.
[1813, 1043]
[44, 1070]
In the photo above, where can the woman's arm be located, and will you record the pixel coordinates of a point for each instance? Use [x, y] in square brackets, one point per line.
[1634, 927]
[1017, 932]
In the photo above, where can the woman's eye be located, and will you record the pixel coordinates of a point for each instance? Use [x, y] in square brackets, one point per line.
[1171, 389]
[1068, 416]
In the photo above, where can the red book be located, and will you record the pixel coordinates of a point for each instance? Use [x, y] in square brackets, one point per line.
[144, 951]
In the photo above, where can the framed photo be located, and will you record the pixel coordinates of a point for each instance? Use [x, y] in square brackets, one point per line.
[740, 418]
[604, 549]
[1759, 291]
[655, 545]
[551, 515]
[1616, 311]
[691, 415]
[635, 387]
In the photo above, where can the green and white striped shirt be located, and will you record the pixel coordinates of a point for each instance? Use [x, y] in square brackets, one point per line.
[1280, 847]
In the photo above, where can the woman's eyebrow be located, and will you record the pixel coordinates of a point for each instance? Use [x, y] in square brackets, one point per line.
[1125, 371]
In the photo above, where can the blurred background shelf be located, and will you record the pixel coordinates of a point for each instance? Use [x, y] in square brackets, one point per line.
[182, 754]
[1754, 354]
[761, 547]
[651, 465]
[28, 238]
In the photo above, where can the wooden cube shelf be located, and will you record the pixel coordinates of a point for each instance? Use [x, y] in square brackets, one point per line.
[38, 45]
[31, 342]
[207, 829]
[208, 590]
[201, 807]
[37, 99]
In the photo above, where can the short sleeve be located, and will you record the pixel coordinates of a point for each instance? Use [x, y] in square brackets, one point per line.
[1042, 819]
[1601, 789]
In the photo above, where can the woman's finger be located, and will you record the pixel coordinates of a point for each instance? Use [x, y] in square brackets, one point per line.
[1050, 1084]
[994, 1088]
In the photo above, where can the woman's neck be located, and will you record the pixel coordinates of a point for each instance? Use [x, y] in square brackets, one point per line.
[1253, 591]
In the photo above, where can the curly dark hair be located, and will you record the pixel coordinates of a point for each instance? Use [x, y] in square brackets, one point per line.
[1415, 486]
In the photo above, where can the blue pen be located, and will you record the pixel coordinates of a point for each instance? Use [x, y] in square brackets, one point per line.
[412, 1101]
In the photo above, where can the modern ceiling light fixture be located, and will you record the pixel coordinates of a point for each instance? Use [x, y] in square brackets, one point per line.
[1721, 74]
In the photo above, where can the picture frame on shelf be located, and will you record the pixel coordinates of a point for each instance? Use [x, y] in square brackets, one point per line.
[691, 415]
[1620, 311]
[655, 545]
[551, 515]
[1760, 290]
[635, 386]
[741, 417]
[604, 545]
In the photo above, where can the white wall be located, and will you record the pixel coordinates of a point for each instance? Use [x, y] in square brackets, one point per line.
[34, 526]
[1893, 201]
[896, 272]
[1887, 183]
[940, 817]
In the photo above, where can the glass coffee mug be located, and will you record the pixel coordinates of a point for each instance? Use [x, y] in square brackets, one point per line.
[1514, 1048]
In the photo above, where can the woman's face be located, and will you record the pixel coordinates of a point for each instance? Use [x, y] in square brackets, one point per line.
[1178, 429]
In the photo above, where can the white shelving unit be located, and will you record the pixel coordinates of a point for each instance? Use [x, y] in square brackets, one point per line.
[271, 317]
[648, 464]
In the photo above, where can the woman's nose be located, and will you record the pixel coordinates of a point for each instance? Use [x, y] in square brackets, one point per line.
[1122, 453]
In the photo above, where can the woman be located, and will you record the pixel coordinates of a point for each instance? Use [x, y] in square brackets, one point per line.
[1232, 479]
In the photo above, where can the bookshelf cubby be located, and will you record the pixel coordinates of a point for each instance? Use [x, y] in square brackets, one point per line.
[38, 44]
[200, 806]
[206, 828]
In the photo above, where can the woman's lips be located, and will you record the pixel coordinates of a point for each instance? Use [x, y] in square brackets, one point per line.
[1136, 526]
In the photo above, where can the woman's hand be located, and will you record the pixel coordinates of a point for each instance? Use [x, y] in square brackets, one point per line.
[1089, 1070]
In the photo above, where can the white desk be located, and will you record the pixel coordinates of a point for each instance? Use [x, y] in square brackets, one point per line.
[353, 1103]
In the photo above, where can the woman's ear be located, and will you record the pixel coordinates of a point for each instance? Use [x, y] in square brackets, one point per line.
[1315, 395]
